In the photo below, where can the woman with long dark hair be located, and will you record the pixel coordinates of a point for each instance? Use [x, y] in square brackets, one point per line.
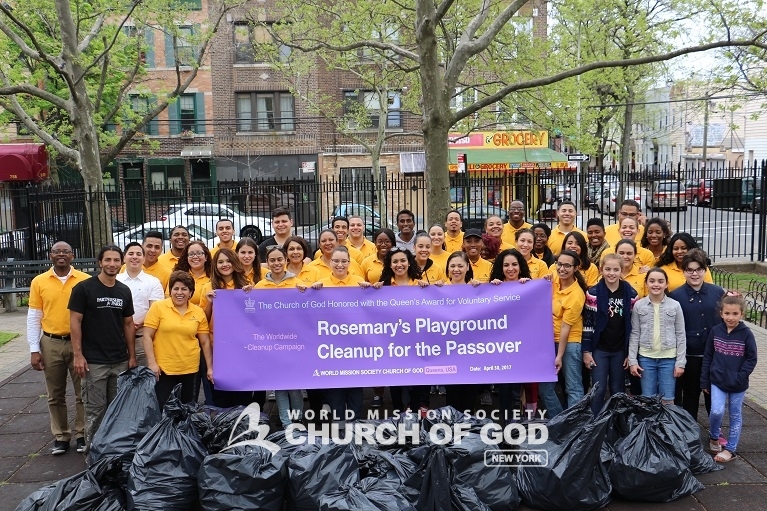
[671, 260]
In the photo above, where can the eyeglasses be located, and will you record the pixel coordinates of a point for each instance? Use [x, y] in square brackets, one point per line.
[339, 261]
[699, 271]
[196, 254]
[61, 252]
[629, 215]
[566, 266]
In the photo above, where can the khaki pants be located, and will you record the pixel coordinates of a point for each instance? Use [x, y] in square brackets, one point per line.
[99, 389]
[140, 354]
[59, 360]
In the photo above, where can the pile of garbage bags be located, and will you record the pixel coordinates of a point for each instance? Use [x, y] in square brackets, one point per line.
[194, 458]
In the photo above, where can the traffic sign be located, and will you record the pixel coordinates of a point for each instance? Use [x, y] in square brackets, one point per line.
[577, 157]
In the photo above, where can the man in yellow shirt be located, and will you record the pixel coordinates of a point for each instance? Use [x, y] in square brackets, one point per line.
[152, 251]
[629, 209]
[49, 338]
[566, 215]
[472, 245]
[453, 233]
[340, 226]
[357, 238]
[225, 233]
[515, 223]
[179, 239]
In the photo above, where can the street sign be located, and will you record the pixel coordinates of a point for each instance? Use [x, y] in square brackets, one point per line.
[577, 157]
[461, 162]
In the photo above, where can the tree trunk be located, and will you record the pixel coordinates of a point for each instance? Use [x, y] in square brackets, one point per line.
[437, 118]
[97, 216]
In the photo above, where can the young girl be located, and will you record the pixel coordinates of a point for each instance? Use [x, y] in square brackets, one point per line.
[247, 253]
[606, 330]
[729, 359]
[657, 343]
[630, 272]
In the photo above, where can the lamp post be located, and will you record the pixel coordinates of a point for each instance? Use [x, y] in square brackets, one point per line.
[705, 138]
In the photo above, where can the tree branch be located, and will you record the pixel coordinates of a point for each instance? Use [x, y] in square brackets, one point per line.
[38, 53]
[25, 88]
[442, 10]
[96, 28]
[12, 105]
[321, 45]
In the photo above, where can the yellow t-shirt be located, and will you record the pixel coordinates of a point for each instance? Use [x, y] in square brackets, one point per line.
[613, 236]
[354, 254]
[441, 260]
[350, 280]
[676, 276]
[567, 308]
[159, 271]
[643, 257]
[367, 249]
[482, 269]
[434, 274]
[509, 234]
[591, 276]
[199, 283]
[168, 260]
[372, 268]
[308, 275]
[558, 237]
[636, 280]
[208, 286]
[48, 294]
[175, 343]
[285, 283]
[453, 244]
[215, 249]
[538, 268]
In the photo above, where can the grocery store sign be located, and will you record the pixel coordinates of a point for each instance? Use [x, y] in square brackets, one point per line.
[499, 140]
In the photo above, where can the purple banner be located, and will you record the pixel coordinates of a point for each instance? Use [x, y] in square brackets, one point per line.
[352, 337]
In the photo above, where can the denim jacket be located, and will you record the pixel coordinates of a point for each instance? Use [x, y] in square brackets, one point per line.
[672, 333]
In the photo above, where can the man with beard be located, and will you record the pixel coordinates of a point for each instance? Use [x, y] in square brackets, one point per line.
[179, 239]
[103, 336]
[48, 335]
[515, 223]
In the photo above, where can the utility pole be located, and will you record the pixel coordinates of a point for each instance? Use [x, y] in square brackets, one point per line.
[705, 139]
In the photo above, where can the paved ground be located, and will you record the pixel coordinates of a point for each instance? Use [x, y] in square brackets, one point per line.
[26, 463]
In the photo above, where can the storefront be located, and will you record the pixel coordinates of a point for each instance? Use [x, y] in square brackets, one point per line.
[23, 163]
[495, 168]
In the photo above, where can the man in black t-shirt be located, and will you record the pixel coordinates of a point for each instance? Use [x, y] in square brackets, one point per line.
[103, 336]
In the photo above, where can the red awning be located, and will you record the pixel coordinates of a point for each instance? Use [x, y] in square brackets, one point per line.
[23, 162]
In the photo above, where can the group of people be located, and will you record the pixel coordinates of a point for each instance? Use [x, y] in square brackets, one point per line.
[628, 298]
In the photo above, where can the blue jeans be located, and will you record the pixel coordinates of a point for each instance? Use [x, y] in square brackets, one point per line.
[718, 398]
[289, 400]
[608, 370]
[658, 377]
[572, 362]
[547, 395]
[341, 400]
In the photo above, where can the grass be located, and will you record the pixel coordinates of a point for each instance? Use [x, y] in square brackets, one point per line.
[7, 336]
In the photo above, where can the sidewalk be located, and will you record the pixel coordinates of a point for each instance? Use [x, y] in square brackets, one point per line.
[26, 463]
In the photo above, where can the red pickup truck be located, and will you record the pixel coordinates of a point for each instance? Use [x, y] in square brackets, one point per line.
[698, 192]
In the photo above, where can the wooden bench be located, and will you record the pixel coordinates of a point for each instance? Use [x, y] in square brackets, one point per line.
[16, 276]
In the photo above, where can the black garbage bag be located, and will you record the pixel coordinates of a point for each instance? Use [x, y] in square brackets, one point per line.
[243, 477]
[163, 475]
[316, 469]
[392, 465]
[370, 494]
[130, 416]
[680, 423]
[450, 416]
[229, 424]
[93, 489]
[574, 477]
[648, 467]
[495, 486]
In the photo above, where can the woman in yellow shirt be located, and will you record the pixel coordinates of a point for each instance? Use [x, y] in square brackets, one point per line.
[671, 260]
[196, 260]
[372, 266]
[227, 274]
[328, 242]
[626, 250]
[655, 237]
[247, 253]
[278, 276]
[175, 333]
[525, 241]
[439, 253]
[431, 272]
[575, 242]
[494, 228]
[569, 297]
[297, 251]
[459, 269]
[400, 269]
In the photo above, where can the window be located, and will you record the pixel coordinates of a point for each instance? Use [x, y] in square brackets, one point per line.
[187, 114]
[180, 47]
[265, 111]
[354, 101]
[193, 5]
[141, 105]
[134, 33]
[247, 37]
[169, 178]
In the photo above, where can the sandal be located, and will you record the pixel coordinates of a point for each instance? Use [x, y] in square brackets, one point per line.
[714, 446]
[725, 456]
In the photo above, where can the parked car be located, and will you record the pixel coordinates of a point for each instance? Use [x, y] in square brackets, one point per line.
[475, 214]
[368, 214]
[593, 194]
[609, 203]
[555, 192]
[698, 192]
[206, 215]
[666, 195]
[15, 244]
[750, 189]
[71, 227]
[137, 234]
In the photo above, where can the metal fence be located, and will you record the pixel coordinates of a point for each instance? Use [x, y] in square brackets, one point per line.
[722, 208]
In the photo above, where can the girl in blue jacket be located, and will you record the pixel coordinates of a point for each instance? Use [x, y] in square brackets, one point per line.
[728, 360]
